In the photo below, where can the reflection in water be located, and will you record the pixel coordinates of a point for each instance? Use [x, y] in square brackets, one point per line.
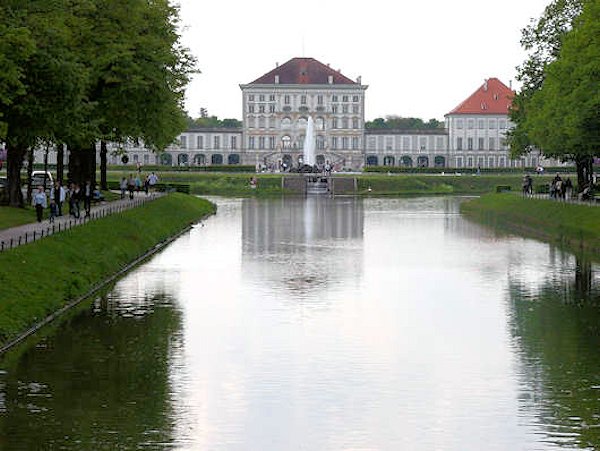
[555, 321]
[323, 324]
[100, 381]
[303, 245]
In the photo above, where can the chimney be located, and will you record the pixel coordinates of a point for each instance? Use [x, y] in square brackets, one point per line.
[276, 79]
[276, 64]
[330, 79]
[485, 86]
[510, 84]
[359, 79]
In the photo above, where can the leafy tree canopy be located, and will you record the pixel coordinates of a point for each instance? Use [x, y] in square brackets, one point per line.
[405, 123]
[214, 122]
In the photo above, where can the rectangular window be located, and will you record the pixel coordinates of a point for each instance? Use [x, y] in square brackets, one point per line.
[251, 142]
[217, 142]
[459, 144]
[503, 143]
[334, 109]
[272, 98]
[183, 141]
[271, 142]
[345, 143]
[470, 124]
[234, 142]
[344, 98]
[480, 124]
[492, 124]
[355, 98]
[459, 123]
[250, 108]
[440, 143]
[459, 162]
[271, 108]
[303, 99]
[286, 99]
[200, 142]
[345, 109]
[502, 124]
[469, 143]
[355, 109]
[251, 98]
[261, 142]
[470, 162]
[492, 144]
[261, 98]
[261, 108]
[355, 123]
[320, 100]
[405, 143]
[422, 143]
[389, 143]
[334, 122]
[334, 143]
[355, 143]
[334, 98]
[480, 143]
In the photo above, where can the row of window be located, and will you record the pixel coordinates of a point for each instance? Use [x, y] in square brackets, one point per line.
[492, 124]
[270, 142]
[320, 123]
[287, 98]
[406, 143]
[335, 109]
[491, 144]
[423, 161]
[200, 142]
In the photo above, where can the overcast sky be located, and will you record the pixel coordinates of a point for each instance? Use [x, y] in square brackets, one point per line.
[419, 58]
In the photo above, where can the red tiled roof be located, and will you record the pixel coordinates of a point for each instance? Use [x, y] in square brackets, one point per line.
[492, 97]
[303, 71]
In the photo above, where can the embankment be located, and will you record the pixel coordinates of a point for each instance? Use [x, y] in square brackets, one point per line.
[39, 279]
[576, 227]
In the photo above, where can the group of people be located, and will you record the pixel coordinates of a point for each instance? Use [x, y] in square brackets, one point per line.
[559, 188]
[133, 184]
[73, 195]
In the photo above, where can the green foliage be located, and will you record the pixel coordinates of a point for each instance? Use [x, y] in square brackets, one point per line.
[214, 122]
[39, 278]
[562, 116]
[571, 225]
[404, 123]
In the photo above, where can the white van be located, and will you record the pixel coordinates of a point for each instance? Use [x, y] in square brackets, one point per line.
[37, 179]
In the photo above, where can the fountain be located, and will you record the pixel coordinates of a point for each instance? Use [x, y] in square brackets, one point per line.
[315, 184]
[309, 143]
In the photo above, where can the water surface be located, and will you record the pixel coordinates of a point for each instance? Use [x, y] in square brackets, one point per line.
[323, 324]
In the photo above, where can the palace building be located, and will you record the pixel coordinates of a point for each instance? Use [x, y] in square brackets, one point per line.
[277, 105]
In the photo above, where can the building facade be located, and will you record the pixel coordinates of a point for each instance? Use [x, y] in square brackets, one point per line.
[276, 107]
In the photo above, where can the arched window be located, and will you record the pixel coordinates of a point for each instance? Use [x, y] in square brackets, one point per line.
[372, 160]
[302, 122]
[286, 142]
[166, 159]
[406, 161]
[320, 142]
[286, 122]
[423, 161]
[389, 160]
[216, 158]
[182, 159]
[200, 159]
[439, 161]
[234, 158]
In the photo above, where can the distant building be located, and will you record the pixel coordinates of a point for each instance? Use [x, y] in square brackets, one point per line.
[276, 107]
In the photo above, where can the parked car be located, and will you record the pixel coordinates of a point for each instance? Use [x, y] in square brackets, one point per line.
[37, 179]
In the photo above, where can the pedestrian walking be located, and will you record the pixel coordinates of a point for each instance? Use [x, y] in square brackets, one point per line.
[40, 202]
[123, 187]
[88, 191]
[130, 186]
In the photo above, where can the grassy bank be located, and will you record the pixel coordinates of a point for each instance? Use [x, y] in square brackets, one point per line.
[13, 217]
[368, 184]
[576, 227]
[40, 278]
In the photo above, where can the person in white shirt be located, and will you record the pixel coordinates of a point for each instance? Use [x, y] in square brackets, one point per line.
[39, 201]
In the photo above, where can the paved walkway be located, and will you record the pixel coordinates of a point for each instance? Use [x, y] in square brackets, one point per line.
[26, 233]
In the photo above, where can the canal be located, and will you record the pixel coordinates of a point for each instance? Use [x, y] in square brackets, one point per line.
[322, 324]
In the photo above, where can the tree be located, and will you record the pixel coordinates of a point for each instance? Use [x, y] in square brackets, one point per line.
[543, 40]
[405, 123]
[563, 116]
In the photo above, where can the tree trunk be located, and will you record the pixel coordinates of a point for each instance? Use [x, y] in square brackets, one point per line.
[82, 165]
[103, 152]
[29, 172]
[14, 163]
[60, 162]
[584, 165]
